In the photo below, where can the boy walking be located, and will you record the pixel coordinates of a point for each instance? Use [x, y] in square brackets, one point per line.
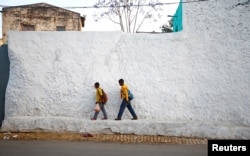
[100, 102]
[125, 102]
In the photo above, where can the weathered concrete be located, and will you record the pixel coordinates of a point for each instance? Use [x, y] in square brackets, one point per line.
[139, 127]
[39, 17]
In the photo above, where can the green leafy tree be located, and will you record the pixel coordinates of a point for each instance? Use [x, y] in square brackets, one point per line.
[168, 27]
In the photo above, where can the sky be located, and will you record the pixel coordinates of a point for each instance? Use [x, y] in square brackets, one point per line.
[103, 24]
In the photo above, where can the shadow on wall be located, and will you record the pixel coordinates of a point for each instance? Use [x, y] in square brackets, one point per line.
[4, 77]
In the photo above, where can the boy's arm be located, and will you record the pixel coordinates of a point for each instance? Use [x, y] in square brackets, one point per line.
[99, 91]
[125, 92]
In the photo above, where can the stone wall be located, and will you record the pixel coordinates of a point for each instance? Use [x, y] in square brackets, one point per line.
[42, 16]
[192, 83]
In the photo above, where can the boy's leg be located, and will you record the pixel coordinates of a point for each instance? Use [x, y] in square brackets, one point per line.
[103, 111]
[96, 114]
[122, 107]
[131, 110]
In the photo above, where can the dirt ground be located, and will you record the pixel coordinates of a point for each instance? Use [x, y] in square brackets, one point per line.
[121, 138]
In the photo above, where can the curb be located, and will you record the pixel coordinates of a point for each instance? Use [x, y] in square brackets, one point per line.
[119, 138]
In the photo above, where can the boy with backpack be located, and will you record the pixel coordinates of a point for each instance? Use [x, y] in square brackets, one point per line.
[101, 99]
[126, 97]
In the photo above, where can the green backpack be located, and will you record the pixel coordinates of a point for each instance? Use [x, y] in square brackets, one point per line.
[130, 95]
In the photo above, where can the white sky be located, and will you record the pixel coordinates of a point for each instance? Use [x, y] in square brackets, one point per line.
[90, 24]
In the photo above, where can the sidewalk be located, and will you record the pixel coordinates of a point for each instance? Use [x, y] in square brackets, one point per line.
[119, 138]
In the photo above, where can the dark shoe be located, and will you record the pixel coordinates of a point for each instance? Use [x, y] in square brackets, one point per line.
[134, 118]
[93, 118]
[118, 119]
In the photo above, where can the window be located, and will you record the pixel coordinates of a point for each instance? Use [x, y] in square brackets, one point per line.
[60, 28]
[28, 27]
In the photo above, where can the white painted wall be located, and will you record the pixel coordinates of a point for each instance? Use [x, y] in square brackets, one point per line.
[192, 83]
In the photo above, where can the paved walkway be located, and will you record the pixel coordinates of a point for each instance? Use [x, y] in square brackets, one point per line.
[169, 127]
[121, 138]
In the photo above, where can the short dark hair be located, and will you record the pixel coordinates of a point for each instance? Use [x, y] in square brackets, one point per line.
[121, 81]
[97, 84]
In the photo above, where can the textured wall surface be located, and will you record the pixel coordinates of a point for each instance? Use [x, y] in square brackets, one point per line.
[192, 83]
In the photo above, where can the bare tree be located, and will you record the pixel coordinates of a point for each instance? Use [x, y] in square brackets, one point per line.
[129, 14]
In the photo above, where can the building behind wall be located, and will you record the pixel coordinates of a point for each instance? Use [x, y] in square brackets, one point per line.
[40, 17]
